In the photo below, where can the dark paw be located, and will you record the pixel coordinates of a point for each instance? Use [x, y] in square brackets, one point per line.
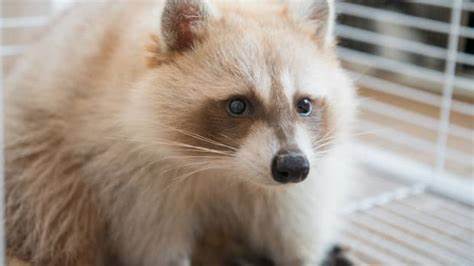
[336, 257]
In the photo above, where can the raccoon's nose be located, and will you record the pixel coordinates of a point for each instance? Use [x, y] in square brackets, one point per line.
[290, 166]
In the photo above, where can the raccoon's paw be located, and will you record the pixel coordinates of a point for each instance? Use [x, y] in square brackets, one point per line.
[336, 257]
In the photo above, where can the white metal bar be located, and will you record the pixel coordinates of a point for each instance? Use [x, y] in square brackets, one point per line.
[397, 137]
[398, 43]
[389, 41]
[440, 246]
[444, 3]
[414, 118]
[448, 88]
[369, 247]
[384, 198]
[466, 228]
[441, 3]
[396, 166]
[388, 252]
[465, 58]
[417, 242]
[453, 245]
[434, 210]
[468, 5]
[408, 92]
[2, 169]
[429, 221]
[23, 22]
[455, 208]
[379, 62]
[412, 244]
[422, 145]
[400, 19]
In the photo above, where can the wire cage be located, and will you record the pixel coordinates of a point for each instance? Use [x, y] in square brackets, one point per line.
[414, 63]
[414, 60]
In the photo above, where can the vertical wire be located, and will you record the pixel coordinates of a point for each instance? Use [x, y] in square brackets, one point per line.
[2, 182]
[448, 88]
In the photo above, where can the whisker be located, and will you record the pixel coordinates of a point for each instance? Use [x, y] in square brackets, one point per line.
[194, 147]
[181, 179]
[202, 138]
[177, 144]
[191, 157]
[183, 166]
[323, 141]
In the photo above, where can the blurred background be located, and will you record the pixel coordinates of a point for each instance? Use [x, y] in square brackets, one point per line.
[414, 64]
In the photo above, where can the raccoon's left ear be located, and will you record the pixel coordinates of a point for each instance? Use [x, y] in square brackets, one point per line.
[317, 16]
[184, 22]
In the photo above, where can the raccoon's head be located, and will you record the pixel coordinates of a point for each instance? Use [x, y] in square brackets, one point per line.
[252, 90]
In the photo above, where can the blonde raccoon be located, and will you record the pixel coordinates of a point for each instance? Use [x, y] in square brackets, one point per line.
[136, 128]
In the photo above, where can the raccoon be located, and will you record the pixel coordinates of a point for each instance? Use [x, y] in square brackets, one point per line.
[136, 129]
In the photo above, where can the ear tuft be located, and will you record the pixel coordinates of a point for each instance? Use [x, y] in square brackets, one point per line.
[319, 15]
[183, 22]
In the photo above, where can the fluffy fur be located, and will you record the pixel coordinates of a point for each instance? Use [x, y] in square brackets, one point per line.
[119, 149]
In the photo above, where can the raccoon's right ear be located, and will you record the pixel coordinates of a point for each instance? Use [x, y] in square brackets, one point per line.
[317, 16]
[184, 22]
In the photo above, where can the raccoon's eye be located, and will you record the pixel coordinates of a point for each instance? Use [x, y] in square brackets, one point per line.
[237, 107]
[304, 107]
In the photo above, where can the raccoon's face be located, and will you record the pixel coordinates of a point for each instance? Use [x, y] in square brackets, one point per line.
[249, 95]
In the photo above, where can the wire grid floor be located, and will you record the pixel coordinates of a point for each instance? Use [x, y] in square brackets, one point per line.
[418, 229]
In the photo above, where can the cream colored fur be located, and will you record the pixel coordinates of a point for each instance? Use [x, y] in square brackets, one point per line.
[93, 176]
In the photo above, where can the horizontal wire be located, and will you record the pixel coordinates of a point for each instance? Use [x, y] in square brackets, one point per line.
[380, 39]
[409, 93]
[414, 118]
[386, 64]
[400, 19]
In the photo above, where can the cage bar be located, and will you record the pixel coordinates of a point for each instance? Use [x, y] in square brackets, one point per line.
[448, 88]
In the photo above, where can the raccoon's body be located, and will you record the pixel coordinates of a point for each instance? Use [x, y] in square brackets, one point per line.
[135, 129]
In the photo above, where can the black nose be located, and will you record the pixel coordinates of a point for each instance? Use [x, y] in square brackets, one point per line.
[290, 166]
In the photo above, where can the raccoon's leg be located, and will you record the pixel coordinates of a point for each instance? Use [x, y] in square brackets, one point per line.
[175, 235]
[309, 222]
[174, 253]
[173, 248]
[296, 246]
[158, 234]
[297, 230]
